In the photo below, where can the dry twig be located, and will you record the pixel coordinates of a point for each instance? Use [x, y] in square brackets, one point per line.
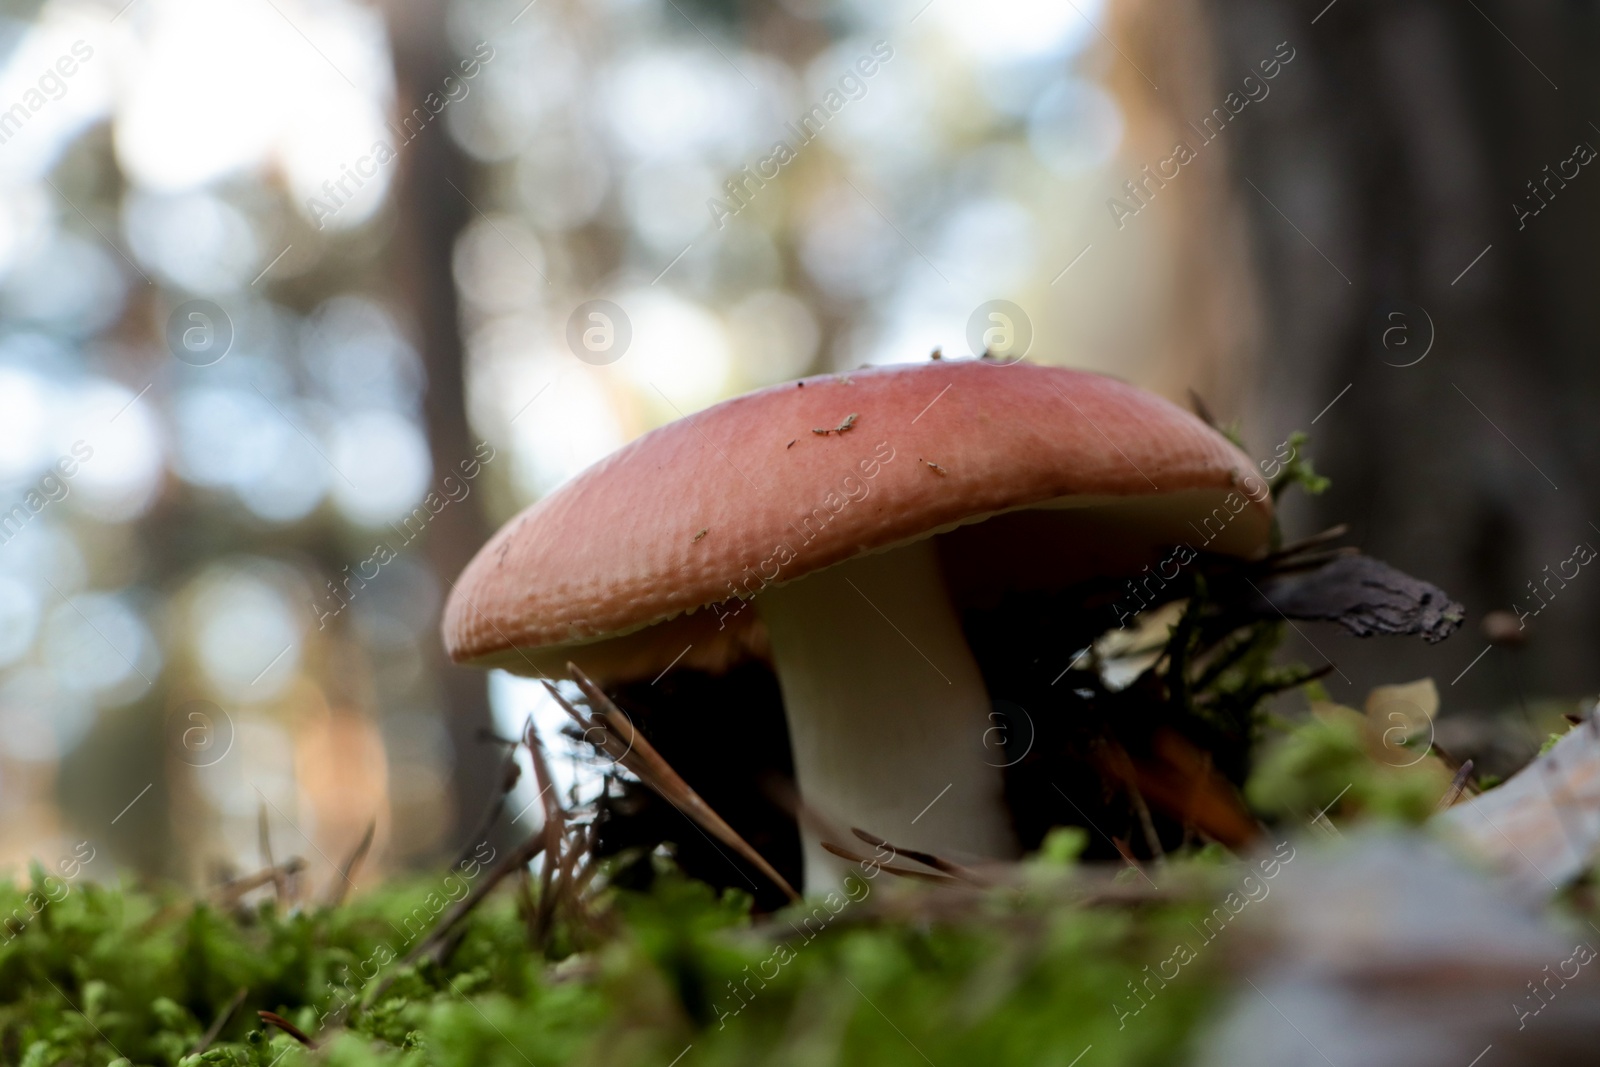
[280, 882]
[219, 1022]
[927, 859]
[436, 942]
[510, 773]
[1458, 785]
[903, 872]
[554, 830]
[352, 863]
[627, 746]
[228, 893]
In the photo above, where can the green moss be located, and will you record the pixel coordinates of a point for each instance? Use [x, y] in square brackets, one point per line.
[1327, 762]
[1298, 470]
[137, 975]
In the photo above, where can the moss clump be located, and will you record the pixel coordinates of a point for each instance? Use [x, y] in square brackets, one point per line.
[1334, 763]
[1021, 975]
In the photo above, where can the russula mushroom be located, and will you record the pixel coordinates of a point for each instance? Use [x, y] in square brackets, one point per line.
[838, 527]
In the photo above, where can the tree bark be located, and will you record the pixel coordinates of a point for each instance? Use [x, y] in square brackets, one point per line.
[429, 216]
[1378, 177]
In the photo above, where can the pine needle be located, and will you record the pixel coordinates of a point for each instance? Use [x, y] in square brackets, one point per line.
[228, 893]
[336, 891]
[627, 746]
[927, 859]
[555, 828]
[219, 1022]
[903, 872]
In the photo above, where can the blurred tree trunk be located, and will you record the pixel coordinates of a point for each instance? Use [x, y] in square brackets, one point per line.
[1385, 160]
[430, 213]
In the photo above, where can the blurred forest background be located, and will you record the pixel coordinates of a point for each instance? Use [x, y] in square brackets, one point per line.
[283, 281]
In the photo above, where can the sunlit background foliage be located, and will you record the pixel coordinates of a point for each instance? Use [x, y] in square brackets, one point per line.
[225, 151]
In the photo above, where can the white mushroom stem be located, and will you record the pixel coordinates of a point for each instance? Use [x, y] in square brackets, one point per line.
[887, 711]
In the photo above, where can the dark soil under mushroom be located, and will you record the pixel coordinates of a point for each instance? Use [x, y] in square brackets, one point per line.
[1130, 766]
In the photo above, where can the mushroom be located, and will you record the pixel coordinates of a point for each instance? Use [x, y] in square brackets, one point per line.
[845, 557]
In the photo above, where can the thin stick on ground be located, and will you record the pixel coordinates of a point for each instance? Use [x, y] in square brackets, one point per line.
[1125, 771]
[927, 859]
[433, 943]
[527, 907]
[280, 883]
[627, 746]
[1458, 785]
[219, 1022]
[510, 774]
[555, 828]
[1294, 548]
[1121, 845]
[228, 893]
[562, 893]
[581, 877]
[585, 874]
[352, 863]
[904, 872]
[785, 796]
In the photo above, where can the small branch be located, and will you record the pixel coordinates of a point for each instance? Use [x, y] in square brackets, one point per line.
[1311, 560]
[510, 774]
[352, 863]
[1294, 548]
[554, 830]
[280, 883]
[1125, 771]
[1458, 785]
[629, 747]
[518, 858]
[1121, 845]
[583, 876]
[904, 872]
[228, 893]
[561, 892]
[527, 908]
[219, 1022]
[927, 859]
